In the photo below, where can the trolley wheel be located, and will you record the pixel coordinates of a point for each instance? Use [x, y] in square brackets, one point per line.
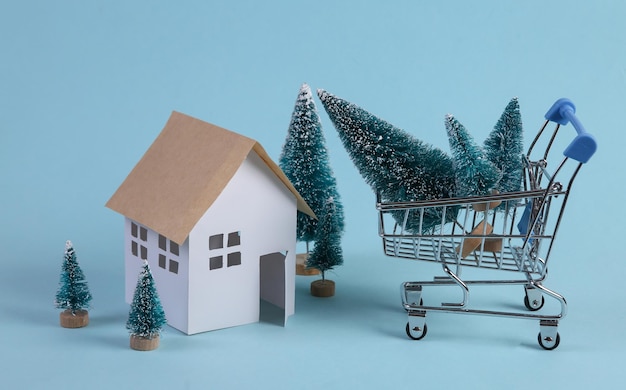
[416, 334]
[535, 304]
[547, 343]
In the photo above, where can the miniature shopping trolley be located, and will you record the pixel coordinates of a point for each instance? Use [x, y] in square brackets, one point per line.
[512, 232]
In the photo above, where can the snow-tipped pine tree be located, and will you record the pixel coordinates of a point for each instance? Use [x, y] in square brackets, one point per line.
[393, 162]
[504, 148]
[73, 293]
[327, 252]
[475, 174]
[146, 317]
[304, 159]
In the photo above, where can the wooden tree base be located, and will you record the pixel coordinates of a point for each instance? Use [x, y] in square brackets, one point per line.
[323, 288]
[78, 319]
[493, 245]
[139, 343]
[487, 206]
[301, 268]
[470, 244]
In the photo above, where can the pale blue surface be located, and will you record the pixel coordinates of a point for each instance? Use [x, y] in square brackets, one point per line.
[86, 86]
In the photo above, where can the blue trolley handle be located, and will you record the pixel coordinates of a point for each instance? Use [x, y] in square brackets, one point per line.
[580, 149]
[584, 145]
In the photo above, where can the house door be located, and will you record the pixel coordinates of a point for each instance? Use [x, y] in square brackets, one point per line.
[273, 289]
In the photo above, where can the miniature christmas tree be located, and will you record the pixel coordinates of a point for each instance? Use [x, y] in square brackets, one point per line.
[327, 252]
[73, 294]
[475, 174]
[395, 164]
[304, 159]
[146, 317]
[503, 147]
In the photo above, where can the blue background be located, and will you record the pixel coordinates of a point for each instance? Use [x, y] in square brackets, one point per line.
[85, 87]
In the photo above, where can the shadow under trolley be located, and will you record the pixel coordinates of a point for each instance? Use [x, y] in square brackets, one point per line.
[512, 232]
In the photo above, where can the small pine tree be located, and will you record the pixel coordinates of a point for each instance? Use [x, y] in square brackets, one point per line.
[304, 159]
[394, 163]
[475, 174]
[504, 148]
[73, 293]
[327, 253]
[146, 317]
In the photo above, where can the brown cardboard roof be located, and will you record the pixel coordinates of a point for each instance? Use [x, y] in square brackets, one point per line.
[183, 173]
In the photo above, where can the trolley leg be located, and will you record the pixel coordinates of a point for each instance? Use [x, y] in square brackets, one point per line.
[416, 327]
[461, 284]
[412, 294]
[548, 336]
[534, 299]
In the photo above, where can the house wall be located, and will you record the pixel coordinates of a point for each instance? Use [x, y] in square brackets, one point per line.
[169, 265]
[263, 211]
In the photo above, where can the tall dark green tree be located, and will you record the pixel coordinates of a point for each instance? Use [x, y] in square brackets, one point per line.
[475, 174]
[304, 159]
[393, 162]
[146, 317]
[327, 252]
[504, 148]
[73, 293]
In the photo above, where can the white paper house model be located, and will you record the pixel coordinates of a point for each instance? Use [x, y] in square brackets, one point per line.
[215, 218]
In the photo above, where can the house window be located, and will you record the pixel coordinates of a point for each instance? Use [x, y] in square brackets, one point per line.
[168, 260]
[234, 259]
[234, 239]
[134, 248]
[215, 262]
[162, 261]
[217, 250]
[144, 252]
[173, 248]
[133, 229]
[143, 233]
[216, 241]
[173, 266]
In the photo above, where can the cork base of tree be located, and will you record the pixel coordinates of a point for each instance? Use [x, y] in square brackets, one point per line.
[323, 288]
[493, 245]
[140, 343]
[489, 205]
[301, 268]
[78, 319]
